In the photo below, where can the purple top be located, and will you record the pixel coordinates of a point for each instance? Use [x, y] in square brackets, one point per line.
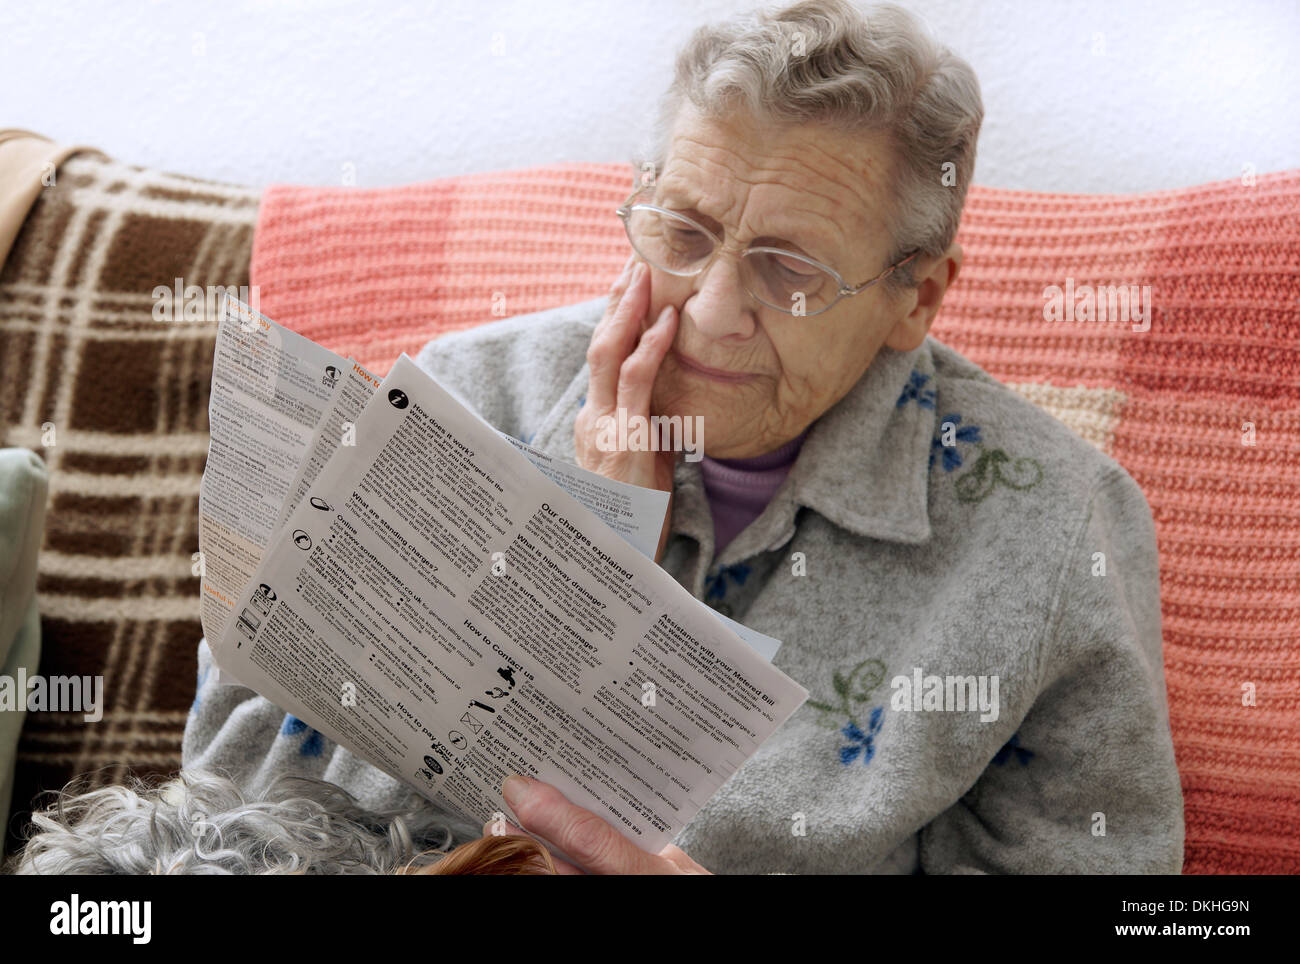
[740, 489]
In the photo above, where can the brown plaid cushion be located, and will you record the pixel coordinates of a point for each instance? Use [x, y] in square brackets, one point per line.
[116, 403]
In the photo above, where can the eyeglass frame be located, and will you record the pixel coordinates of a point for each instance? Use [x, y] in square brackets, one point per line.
[845, 290]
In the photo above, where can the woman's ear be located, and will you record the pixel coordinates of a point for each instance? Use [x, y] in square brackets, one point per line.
[933, 277]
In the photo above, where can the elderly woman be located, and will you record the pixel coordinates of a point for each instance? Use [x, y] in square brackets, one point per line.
[968, 589]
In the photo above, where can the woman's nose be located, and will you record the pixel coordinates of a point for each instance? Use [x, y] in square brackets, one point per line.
[721, 306]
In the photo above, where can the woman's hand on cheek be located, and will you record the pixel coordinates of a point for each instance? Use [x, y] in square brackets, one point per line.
[584, 836]
[623, 367]
[623, 360]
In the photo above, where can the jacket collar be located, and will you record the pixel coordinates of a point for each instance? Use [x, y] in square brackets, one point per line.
[864, 465]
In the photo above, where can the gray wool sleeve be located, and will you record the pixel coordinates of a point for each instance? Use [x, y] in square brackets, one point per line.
[233, 730]
[1099, 792]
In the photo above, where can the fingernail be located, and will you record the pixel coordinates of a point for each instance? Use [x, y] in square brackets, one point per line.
[664, 315]
[515, 790]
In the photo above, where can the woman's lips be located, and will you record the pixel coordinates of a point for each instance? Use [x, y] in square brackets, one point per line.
[715, 374]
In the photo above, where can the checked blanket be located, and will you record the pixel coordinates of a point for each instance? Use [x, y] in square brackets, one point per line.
[115, 402]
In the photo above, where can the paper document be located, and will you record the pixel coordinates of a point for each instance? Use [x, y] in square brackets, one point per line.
[270, 389]
[439, 604]
[633, 511]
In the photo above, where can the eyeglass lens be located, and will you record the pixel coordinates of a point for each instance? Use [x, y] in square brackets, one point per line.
[780, 281]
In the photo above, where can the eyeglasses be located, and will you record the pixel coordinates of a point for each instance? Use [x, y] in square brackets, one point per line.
[780, 279]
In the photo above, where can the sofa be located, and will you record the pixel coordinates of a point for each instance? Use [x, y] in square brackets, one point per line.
[1202, 408]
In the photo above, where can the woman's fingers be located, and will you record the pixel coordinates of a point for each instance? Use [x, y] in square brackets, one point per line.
[615, 335]
[600, 350]
[583, 835]
[682, 861]
[637, 375]
[624, 358]
[613, 338]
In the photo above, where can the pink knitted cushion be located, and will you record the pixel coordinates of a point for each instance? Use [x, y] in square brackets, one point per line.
[373, 273]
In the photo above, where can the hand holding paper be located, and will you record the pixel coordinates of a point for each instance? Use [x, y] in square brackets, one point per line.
[597, 846]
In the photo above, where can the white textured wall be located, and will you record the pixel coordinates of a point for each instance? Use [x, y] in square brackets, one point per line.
[1177, 93]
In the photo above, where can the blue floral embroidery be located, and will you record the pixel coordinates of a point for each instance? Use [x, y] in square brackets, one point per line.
[716, 586]
[851, 689]
[314, 742]
[951, 456]
[583, 400]
[992, 468]
[1013, 746]
[860, 742]
[915, 388]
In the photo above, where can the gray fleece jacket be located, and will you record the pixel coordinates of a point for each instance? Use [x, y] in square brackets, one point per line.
[968, 589]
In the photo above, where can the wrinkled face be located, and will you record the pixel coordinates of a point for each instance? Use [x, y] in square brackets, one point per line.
[806, 188]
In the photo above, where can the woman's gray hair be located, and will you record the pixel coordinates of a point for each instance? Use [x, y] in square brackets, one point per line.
[202, 823]
[871, 70]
